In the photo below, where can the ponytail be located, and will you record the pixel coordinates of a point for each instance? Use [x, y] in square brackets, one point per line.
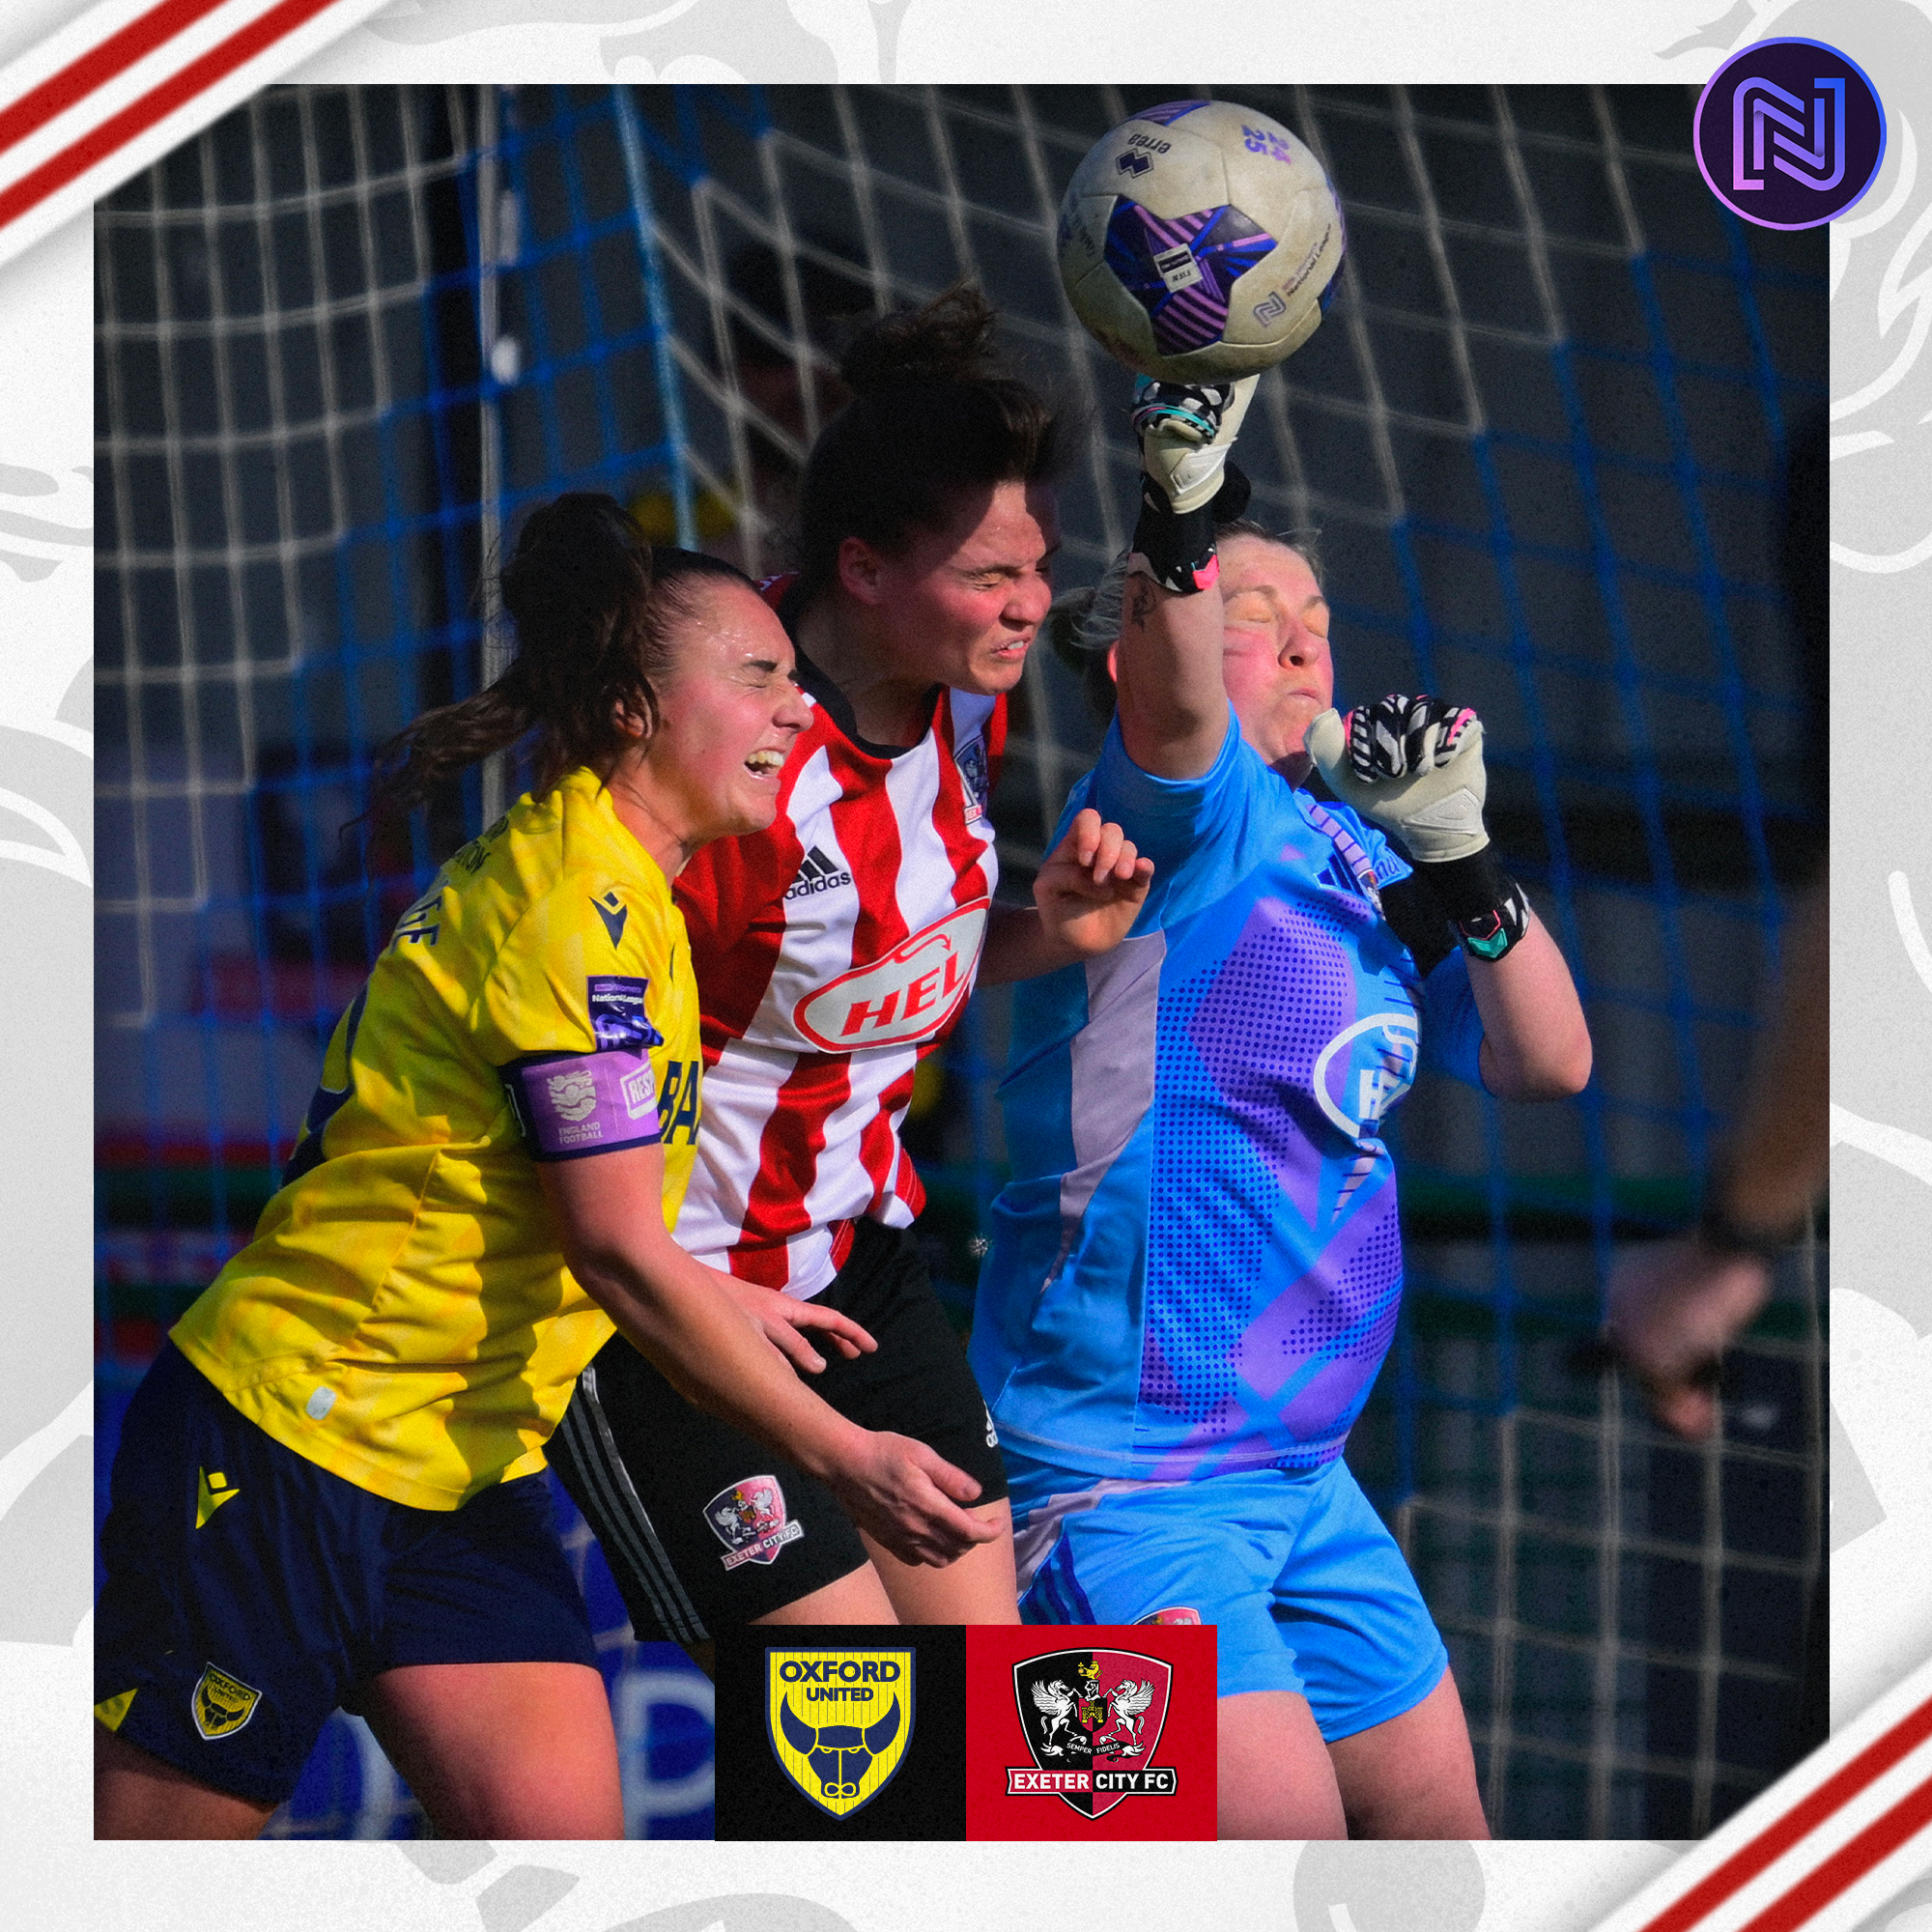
[595, 608]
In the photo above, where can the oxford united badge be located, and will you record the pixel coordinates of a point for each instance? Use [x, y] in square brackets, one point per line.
[222, 1704]
[840, 1721]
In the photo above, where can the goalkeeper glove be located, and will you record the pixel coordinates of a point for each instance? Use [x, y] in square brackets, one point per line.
[1414, 765]
[1187, 484]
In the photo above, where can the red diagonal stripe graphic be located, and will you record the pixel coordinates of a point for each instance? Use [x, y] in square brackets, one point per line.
[1849, 1863]
[1805, 1817]
[96, 68]
[218, 62]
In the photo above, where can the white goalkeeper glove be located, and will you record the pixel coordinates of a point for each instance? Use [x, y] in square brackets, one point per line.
[1185, 431]
[1413, 765]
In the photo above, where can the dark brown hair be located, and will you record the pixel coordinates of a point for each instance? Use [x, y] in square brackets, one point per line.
[933, 416]
[595, 607]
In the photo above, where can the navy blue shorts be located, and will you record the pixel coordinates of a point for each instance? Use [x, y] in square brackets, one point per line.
[250, 1592]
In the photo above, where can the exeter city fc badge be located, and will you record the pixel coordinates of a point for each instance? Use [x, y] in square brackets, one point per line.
[840, 1721]
[1091, 1720]
[222, 1704]
[749, 1519]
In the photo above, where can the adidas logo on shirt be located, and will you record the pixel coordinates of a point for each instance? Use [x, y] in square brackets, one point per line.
[818, 874]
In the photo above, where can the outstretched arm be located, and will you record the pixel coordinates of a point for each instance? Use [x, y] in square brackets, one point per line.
[1172, 703]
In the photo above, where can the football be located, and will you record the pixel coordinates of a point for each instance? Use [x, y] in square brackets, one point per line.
[1200, 241]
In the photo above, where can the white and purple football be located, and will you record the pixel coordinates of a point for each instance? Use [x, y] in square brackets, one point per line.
[1200, 241]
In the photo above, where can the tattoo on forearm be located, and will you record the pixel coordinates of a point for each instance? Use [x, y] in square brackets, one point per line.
[1140, 600]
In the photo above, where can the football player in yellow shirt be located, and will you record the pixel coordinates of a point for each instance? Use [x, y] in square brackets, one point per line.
[329, 1488]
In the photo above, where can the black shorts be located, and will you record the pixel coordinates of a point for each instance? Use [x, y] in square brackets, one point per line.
[704, 1528]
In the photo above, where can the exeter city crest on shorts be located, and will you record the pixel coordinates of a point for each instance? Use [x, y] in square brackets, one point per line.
[749, 1519]
[1091, 1720]
[221, 1704]
[840, 1721]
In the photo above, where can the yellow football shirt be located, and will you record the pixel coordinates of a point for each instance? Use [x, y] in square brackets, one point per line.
[403, 1316]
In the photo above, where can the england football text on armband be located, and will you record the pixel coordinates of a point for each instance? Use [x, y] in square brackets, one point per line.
[569, 1106]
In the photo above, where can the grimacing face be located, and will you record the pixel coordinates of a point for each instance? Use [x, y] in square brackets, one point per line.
[731, 712]
[965, 602]
[1274, 657]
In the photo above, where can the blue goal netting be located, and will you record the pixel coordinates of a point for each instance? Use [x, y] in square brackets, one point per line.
[346, 337]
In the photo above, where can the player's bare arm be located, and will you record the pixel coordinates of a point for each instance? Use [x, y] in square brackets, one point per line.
[694, 1329]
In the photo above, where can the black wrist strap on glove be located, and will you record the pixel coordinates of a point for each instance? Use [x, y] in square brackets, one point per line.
[1180, 545]
[1485, 905]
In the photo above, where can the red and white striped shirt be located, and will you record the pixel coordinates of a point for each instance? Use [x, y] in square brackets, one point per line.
[833, 950]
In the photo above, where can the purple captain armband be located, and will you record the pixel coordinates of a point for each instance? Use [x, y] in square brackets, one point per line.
[584, 1103]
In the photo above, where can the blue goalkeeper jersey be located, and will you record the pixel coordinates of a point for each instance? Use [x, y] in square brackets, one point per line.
[1197, 1265]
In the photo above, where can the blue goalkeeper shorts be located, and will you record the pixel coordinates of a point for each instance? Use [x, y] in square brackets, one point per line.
[1306, 1587]
[250, 1592]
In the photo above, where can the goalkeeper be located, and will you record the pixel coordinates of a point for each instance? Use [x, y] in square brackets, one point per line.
[1174, 1383]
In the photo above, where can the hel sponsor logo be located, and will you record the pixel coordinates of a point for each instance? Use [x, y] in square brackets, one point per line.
[221, 1704]
[1086, 1715]
[1177, 269]
[679, 1109]
[1365, 1070]
[749, 1519]
[1177, 1613]
[421, 923]
[843, 1763]
[817, 873]
[911, 994]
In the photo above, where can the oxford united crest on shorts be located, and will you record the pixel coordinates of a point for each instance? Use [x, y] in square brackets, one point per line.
[840, 1721]
[222, 1704]
[1091, 1720]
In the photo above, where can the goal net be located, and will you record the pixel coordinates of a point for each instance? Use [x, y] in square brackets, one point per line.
[348, 337]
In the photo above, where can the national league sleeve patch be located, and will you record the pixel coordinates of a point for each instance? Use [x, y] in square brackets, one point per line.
[617, 1015]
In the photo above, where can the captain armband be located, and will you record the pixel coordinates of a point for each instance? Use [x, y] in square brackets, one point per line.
[569, 1106]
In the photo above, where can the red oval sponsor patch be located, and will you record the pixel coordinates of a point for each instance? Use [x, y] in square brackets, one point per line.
[907, 996]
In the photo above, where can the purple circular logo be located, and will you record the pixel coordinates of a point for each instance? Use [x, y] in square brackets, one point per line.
[1789, 134]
